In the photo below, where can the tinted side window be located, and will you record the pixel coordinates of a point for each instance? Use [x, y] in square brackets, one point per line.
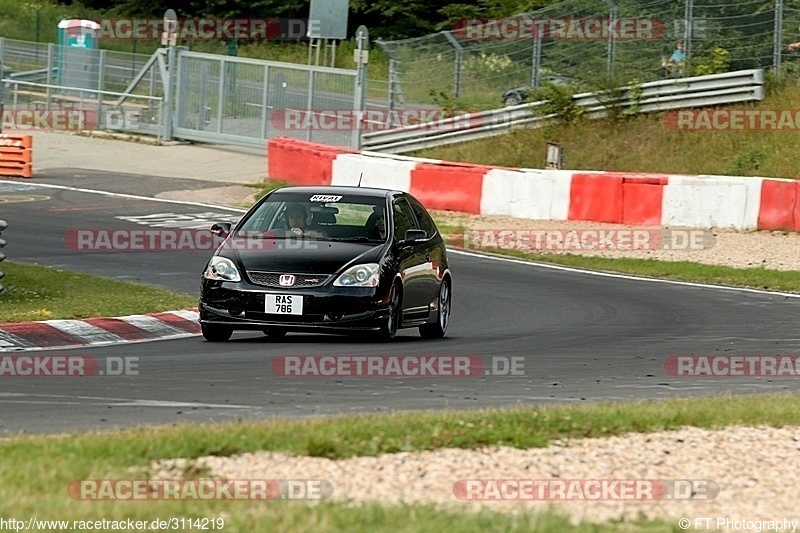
[423, 218]
[403, 219]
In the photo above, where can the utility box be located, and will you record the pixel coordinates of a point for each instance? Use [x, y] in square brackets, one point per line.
[78, 55]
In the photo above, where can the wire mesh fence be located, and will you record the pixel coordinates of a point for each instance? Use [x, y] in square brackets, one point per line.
[94, 69]
[593, 44]
[52, 86]
[215, 98]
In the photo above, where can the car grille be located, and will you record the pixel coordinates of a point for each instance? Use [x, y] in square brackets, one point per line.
[272, 279]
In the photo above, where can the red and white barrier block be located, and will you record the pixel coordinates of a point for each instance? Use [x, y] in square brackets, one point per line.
[642, 199]
[527, 193]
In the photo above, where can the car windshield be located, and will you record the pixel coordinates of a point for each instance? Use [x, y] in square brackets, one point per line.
[331, 217]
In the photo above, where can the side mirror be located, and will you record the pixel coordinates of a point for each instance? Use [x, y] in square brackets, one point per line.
[221, 229]
[414, 235]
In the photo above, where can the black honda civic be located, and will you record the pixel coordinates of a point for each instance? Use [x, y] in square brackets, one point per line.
[328, 260]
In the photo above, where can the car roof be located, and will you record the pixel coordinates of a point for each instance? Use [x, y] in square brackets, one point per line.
[338, 189]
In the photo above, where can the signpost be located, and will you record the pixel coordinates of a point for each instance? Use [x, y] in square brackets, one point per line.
[555, 156]
[327, 19]
[169, 37]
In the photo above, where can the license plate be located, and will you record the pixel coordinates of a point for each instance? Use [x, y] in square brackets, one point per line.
[283, 304]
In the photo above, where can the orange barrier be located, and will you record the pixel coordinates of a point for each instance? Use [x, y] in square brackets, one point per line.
[301, 162]
[779, 209]
[642, 196]
[16, 155]
[450, 186]
[596, 197]
[617, 197]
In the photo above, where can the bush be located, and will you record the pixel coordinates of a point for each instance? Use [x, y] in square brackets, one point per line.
[718, 62]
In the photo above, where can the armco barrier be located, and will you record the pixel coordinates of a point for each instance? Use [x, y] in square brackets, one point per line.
[611, 197]
[16, 155]
[684, 93]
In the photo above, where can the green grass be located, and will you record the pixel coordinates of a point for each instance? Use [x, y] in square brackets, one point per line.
[360, 436]
[453, 226]
[246, 517]
[267, 186]
[756, 278]
[644, 143]
[40, 293]
[37, 469]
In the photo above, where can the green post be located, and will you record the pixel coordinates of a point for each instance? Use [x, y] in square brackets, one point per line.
[3, 226]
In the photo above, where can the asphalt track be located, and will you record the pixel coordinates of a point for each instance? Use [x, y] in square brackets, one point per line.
[581, 336]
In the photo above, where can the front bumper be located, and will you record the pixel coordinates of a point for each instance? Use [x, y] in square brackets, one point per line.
[327, 308]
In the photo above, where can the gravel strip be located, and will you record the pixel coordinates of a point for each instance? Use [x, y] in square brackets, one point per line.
[754, 468]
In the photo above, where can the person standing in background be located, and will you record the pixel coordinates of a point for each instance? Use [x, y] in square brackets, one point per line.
[675, 65]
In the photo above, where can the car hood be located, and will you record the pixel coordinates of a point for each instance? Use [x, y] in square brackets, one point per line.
[305, 256]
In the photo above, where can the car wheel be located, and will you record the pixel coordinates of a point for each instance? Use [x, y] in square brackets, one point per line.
[512, 99]
[274, 333]
[389, 329]
[438, 329]
[214, 333]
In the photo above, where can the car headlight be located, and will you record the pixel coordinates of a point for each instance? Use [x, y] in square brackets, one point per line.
[222, 269]
[359, 276]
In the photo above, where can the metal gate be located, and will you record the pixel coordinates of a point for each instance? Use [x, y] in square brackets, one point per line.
[179, 94]
[241, 101]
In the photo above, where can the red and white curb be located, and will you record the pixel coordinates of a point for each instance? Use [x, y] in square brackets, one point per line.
[52, 334]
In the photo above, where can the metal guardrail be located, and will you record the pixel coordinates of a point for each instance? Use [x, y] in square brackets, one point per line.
[717, 89]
